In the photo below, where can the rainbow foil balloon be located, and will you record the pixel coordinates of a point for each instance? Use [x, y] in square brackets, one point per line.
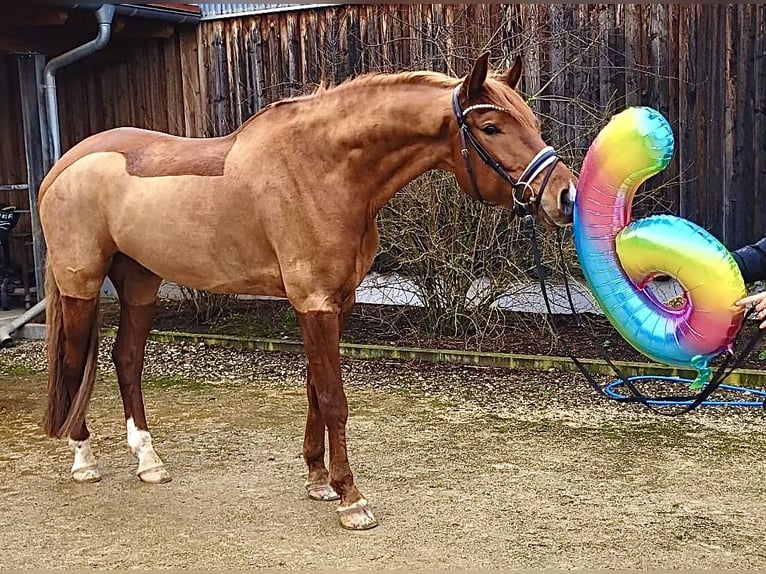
[620, 258]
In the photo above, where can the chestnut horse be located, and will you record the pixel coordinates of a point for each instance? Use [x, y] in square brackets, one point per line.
[284, 206]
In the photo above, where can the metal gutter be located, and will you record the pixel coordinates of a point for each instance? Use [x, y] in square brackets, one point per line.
[142, 11]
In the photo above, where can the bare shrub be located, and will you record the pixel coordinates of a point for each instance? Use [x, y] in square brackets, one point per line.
[206, 306]
[461, 256]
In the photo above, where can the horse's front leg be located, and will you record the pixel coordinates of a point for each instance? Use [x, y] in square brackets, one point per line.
[318, 482]
[321, 338]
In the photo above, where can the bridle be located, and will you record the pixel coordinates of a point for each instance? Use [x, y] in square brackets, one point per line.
[546, 158]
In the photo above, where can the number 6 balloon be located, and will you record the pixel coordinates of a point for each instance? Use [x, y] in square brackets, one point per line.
[619, 258]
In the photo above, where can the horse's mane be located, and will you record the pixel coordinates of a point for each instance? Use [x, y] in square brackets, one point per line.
[420, 77]
[429, 78]
[371, 79]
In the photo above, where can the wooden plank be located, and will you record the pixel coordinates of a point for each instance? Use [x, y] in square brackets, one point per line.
[376, 40]
[632, 49]
[745, 197]
[714, 123]
[236, 97]
[172, 71]
[558, 78]
[427, 38]
[343, 71]
[543, 41]
[332, 46]
[108, 80]
[293, 53]
[285, 80]
[601, 23]
[669, 102]
[687, 111]
[657, 78]
[701, 179]
[310, 62]
[275, 61]
[193, 116]
[357, 43]
[530, 53]
[758, 143]
[218, 82]
[730, 173]
[160, 99]
[416, 36]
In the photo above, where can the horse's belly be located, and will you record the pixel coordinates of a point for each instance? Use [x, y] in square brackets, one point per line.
[192, 237]
[197, 276]
[195, 265]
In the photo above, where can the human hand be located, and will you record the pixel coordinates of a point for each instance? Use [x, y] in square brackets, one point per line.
[759, 300]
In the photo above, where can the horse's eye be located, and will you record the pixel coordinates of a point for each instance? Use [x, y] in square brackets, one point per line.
[490, 129]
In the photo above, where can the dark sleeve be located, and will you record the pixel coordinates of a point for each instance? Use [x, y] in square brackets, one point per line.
[751, 260]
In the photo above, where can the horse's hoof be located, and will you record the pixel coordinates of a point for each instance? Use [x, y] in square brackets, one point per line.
[357, 516]
[86, 474]
[323, 492]
[156, 475]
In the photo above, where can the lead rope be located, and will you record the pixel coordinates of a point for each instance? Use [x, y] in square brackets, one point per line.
[720, 375]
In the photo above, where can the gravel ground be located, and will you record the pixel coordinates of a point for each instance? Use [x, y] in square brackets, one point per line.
[466, 467]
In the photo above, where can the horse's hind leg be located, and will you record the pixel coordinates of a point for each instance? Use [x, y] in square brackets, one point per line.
[321, 338]
[79, 318]
[137, 289]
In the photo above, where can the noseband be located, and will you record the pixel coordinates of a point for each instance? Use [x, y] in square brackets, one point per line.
[546, 158]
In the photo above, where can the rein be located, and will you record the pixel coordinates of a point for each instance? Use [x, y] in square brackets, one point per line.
[691, 402]
[545, 158]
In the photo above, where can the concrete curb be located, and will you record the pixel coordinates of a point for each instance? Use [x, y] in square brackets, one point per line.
[742, 377]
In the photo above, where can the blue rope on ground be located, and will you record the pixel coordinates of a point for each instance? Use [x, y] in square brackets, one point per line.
[666, 402]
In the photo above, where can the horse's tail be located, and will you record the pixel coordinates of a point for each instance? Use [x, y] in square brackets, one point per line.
[65, 413]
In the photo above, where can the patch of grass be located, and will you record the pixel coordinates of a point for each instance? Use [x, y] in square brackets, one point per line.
[19, 370]
[270, 325]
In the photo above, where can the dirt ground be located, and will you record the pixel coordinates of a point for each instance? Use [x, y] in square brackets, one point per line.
[466, 468]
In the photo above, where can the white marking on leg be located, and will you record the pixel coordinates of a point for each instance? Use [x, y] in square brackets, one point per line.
[140, 443]
[84, 468]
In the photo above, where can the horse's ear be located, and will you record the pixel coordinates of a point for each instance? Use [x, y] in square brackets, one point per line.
[513, 74]
[474, 81]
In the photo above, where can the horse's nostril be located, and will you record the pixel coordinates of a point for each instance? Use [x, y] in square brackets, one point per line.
[565, 202]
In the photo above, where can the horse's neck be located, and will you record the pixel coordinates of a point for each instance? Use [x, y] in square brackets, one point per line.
[384, 136]
[401, 130]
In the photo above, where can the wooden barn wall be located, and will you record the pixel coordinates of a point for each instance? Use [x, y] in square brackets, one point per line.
[700, 65]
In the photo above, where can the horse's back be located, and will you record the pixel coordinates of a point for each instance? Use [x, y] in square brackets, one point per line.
[149, 154]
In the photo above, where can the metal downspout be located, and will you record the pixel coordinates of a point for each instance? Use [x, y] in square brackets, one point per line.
[104, 16]
[20, 321]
